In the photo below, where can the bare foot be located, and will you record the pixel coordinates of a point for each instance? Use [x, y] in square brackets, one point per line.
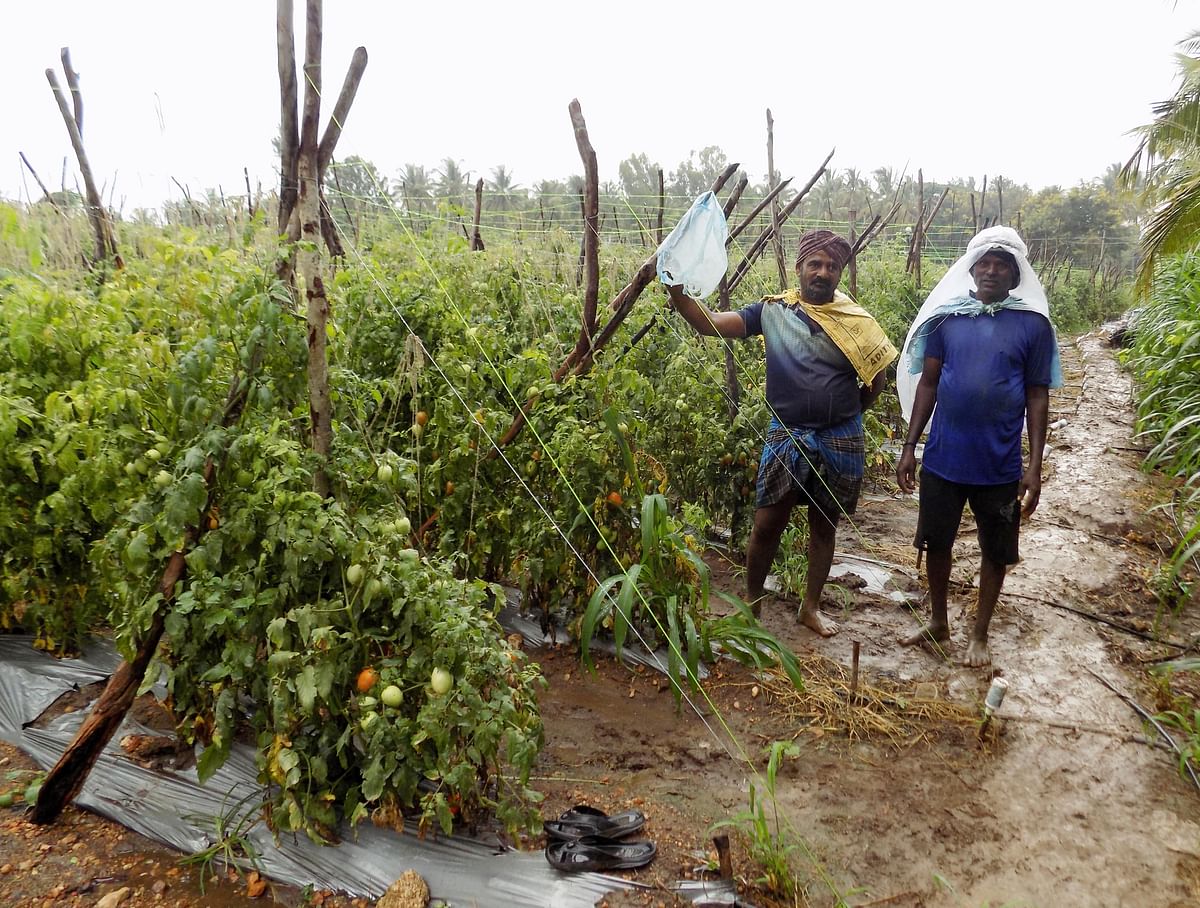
[977, 654]
[812, 619]
[932, 637]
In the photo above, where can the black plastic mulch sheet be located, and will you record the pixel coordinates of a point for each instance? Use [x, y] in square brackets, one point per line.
[172, 807]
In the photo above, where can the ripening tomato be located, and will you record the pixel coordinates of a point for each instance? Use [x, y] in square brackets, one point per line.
[422, 417]
[615, 499]
[367, 679]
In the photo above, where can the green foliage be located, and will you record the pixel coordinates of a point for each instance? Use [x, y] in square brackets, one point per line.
[1169, 160]
[231, 843]
[666, 592]
[1165, 361]
[771, 847]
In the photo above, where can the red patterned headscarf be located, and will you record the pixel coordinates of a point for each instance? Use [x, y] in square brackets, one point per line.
[823, 241]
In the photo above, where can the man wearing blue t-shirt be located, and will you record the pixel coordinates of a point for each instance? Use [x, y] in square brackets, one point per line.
[826, 362]
[987, 367]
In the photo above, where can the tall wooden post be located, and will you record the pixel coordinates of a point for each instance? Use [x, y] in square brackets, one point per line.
[662, 201]
[476, 238]
[853, 263]
[772, 179]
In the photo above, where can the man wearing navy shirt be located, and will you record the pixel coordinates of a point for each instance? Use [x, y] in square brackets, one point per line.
[826, 362]
[987, 368]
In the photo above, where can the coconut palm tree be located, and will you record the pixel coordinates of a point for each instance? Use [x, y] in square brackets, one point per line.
[452, 182]
[1168, 157]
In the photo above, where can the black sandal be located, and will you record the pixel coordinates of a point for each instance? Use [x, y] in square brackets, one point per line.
[599, 853]
[582, 820]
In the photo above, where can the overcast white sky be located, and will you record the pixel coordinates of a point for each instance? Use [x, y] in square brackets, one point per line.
[1041, 91]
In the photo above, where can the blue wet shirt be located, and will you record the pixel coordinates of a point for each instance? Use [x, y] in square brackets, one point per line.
[810, 382]
[988, 361]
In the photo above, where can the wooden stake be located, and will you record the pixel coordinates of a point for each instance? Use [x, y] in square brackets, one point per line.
[320, 409]
[854, 672]
[289, 128]
[853, 263]
[476, 238]
[724, 861]
[772, 179]
[662, 201]
[41, 185]
[106, 241]
[591, 234]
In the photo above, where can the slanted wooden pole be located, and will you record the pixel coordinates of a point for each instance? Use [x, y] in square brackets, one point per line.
[42, 186]
[102, 226]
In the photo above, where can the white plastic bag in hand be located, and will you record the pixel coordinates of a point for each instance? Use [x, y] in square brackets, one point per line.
[694, 254]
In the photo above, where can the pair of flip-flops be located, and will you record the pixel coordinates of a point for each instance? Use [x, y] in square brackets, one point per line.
[585, 839]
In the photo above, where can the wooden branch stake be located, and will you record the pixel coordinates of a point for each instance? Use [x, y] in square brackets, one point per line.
[476, 237]
[662, 201]
[591, 235]
[854, 672]
[748, 219]
[724, 862]
[341, 110]
[735, 197]
[289, 129]
[102, 227]
[772, 179]
[320, 409]
[73, 84]
[41, 185]
[852, 265]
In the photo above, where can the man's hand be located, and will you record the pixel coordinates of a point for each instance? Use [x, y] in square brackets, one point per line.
[1029, 491]
[906, 469]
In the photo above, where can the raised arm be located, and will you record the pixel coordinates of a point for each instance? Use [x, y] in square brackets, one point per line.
[923, 404]
[703, 319]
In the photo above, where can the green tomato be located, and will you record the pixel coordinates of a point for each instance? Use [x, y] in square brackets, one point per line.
[622, 428]
[407, 559]
[403, 526]
[368, 719]
[441, 681]
[392, 696]
[367, 702]
[354, 574]
[7, 799]
[245, 479]
[130, 469]
[385, 473]
[141, 466]
[418, 430]
[374, 587]
[162, 479]
[154, 455]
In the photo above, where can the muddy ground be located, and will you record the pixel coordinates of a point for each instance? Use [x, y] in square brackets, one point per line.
[1066, 800]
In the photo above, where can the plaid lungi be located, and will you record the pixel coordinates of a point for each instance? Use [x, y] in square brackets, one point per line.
[826, 465]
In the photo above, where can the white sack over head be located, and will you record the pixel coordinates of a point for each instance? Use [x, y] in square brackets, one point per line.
[955, 287]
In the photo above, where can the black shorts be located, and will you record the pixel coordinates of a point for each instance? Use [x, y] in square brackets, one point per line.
[996, 509]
